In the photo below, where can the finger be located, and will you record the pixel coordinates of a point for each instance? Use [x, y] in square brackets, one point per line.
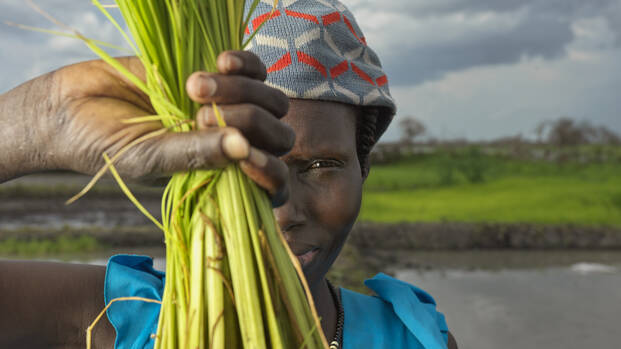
[270, 173]
[184, 151]
[242, 63]
[205, 88]
[261, 128]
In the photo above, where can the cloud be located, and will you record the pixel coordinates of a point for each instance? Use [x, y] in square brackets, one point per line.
[422, 40]
[477, 68]
[28, 54]
[502, 100]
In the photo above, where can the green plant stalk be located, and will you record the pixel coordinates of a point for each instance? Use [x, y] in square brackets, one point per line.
[231, 279]
[214, 287]
[196, 323]
[242, 264]
[231, 320]
[253, 219]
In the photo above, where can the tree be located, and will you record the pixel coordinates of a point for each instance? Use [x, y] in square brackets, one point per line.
[540, 130]
[411, 128]
[565, 131]
[607, 136]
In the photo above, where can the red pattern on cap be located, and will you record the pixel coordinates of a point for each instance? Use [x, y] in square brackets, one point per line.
[331, 18]
[264, 17]
[361, 73]
[382, 80]
[313, 62]
[339, 69]
[281, 64]
[302, 15]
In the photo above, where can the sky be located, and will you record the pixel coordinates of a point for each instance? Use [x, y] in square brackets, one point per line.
[475, 69]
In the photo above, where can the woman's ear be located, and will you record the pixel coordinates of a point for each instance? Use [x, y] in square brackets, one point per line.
[366, 123]
[365, 170]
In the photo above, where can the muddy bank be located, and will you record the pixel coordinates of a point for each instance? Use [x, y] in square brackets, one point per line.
[365, 235]
[464, 236]
[33, 208]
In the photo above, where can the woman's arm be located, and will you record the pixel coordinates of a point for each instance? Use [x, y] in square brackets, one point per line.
[20, 135]
[50, 305]
[67, 119]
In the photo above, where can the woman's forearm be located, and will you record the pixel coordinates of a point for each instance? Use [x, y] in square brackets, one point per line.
[10, 138]
[21, 139]
[50, 305]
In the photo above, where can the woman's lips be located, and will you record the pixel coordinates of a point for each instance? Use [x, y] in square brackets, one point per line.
[307, 257]
[304, 250]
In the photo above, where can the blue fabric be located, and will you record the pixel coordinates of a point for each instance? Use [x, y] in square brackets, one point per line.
[134, 321]
[401, 316]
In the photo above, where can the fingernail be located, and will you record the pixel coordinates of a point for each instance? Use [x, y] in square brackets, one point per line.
[234, 63]
[208, 117]
[257, 158]
[206, 86]
[235, 146]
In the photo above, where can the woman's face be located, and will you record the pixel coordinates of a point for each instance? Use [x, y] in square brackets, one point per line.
[326, 183]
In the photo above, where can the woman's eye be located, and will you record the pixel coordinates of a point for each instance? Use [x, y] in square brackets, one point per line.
[321, 164]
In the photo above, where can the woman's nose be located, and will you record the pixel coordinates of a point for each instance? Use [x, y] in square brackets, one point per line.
[292, 214]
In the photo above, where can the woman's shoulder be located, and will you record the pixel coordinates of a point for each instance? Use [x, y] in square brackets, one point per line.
[400, 315]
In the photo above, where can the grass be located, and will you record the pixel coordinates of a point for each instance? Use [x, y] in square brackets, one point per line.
[436, 188]
[45, 247]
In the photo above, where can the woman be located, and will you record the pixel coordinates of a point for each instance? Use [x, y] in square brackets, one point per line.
[304, 136]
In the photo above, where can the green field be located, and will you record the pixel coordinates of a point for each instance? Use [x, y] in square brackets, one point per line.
[50, 246]
[472, 187]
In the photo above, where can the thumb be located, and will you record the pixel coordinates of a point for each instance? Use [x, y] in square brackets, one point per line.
[184, 151]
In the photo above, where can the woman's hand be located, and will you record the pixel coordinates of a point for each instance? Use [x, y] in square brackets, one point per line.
[68, 118]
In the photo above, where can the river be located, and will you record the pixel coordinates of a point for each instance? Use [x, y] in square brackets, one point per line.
[518, 300]
[512, 299]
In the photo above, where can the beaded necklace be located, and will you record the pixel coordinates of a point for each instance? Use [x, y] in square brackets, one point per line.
[337, 341]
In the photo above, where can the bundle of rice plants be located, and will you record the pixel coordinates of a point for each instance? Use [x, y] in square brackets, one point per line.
[231, 281]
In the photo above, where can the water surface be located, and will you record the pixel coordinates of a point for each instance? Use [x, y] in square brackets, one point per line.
[572, 302]
[501, 299]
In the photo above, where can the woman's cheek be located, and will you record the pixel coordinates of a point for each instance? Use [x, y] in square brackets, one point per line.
[339, 203]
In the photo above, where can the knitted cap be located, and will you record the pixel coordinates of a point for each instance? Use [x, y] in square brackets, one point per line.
[314, 49]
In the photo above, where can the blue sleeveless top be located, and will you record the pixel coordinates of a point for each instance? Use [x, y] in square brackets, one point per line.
[400, 316]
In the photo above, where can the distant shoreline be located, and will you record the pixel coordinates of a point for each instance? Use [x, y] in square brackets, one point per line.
[469, 236]
[383, 236]
[32, 208]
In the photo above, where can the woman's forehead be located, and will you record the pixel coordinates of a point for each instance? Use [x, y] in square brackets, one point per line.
[320, 125]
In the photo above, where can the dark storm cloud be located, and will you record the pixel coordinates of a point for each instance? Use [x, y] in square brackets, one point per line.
[534, 28]
[613, 15]
[535, 37]
[543, 29]
[557, 8]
